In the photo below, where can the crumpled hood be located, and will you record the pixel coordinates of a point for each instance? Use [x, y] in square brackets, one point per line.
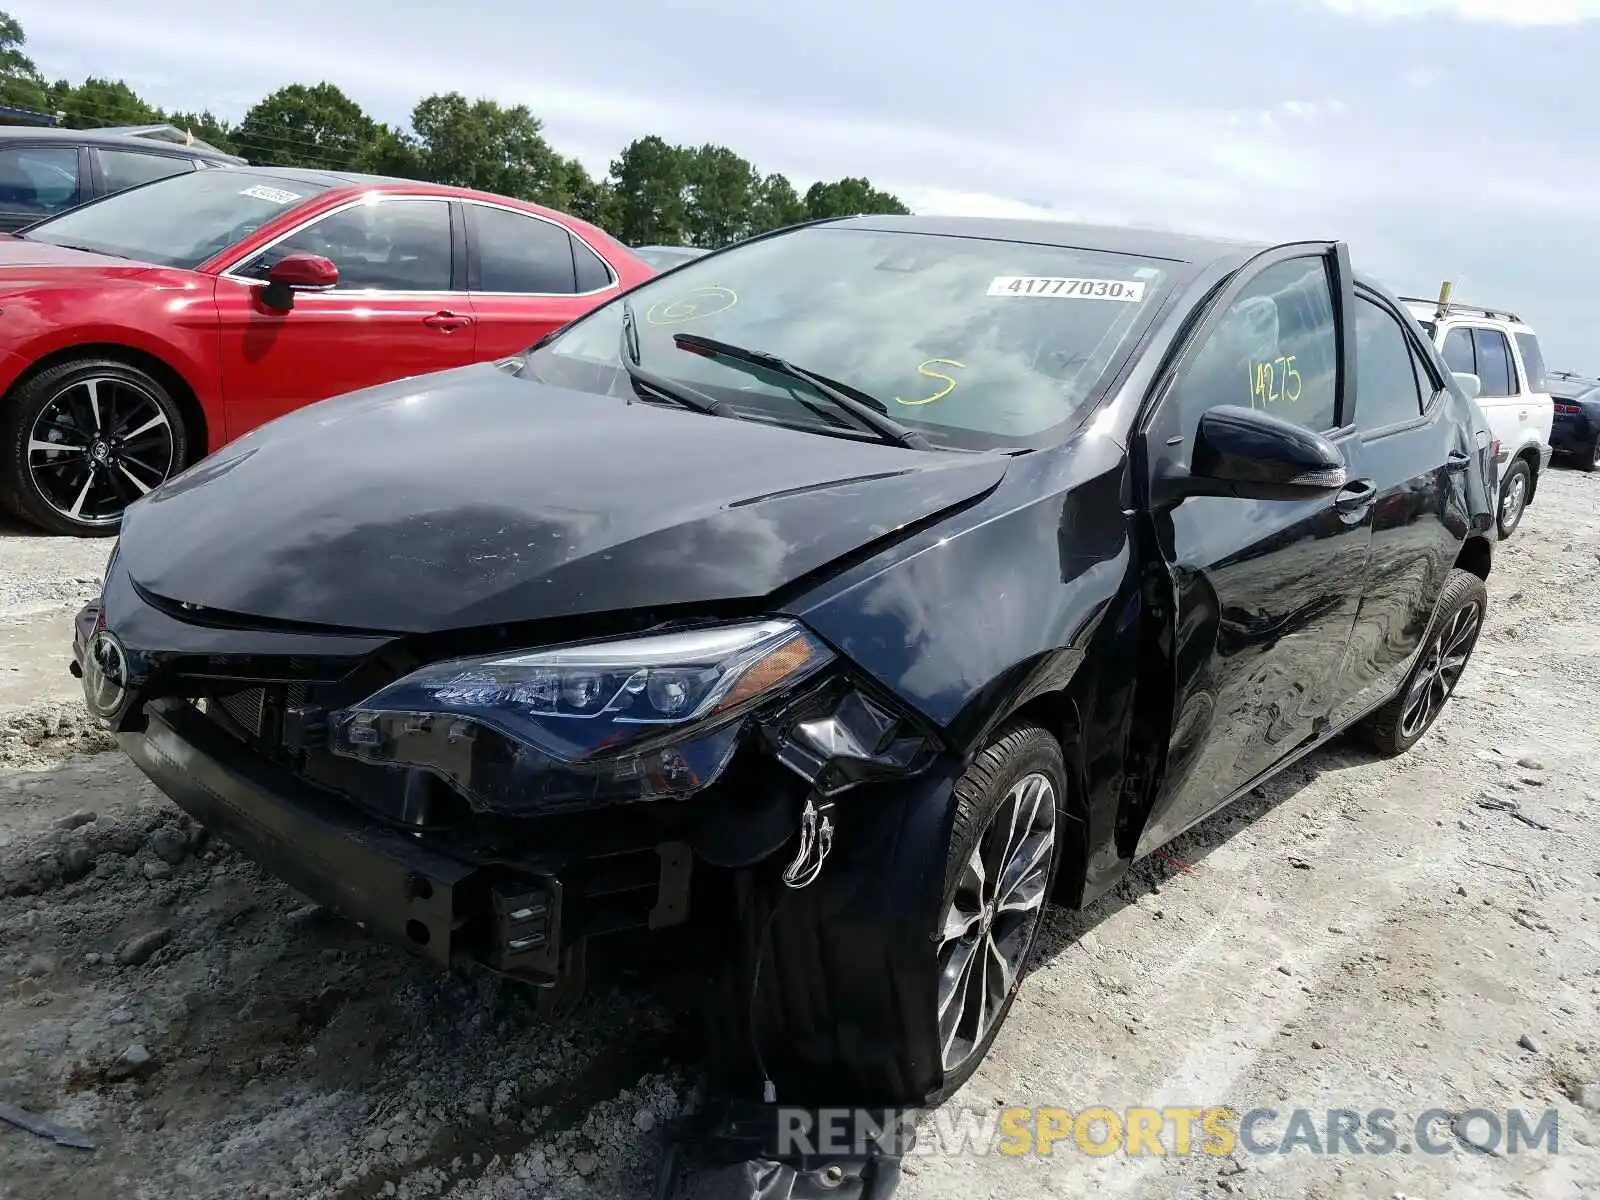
[471, 498]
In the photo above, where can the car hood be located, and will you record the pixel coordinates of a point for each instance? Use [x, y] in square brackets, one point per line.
[471, 497]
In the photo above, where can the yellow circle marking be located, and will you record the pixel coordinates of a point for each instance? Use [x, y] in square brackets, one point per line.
[691, 306]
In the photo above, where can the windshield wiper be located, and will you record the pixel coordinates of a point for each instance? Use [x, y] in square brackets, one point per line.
[871, 412]
[679, 393]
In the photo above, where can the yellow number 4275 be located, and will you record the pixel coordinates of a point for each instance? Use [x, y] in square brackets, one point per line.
[1270, 382]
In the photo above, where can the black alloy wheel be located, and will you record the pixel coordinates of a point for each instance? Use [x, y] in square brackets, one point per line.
[999, 873]
[85, 440]
[1452, 636]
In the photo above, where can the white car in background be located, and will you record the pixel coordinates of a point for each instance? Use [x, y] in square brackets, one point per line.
[1502, 352]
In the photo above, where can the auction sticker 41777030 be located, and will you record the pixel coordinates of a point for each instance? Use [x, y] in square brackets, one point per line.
[1056, 287]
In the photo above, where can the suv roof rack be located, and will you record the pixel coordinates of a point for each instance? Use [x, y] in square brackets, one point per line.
[1476, 310]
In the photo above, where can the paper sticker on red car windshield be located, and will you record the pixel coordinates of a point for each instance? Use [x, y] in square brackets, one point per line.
[271, 194]
[1056, 287]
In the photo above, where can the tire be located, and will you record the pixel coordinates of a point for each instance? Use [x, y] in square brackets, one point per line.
[1021, 772]
[88, 406]
[1514, 490]
[1589, 460]
[1447, 648]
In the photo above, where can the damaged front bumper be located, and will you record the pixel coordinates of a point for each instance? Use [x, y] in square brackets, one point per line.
[445, 906]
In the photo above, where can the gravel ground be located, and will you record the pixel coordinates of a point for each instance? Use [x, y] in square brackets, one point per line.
[1415, 934]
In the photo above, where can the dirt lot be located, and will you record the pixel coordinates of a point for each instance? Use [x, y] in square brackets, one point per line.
[1411, 935]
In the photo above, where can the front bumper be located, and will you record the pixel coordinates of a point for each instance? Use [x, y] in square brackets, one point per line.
[443, 906]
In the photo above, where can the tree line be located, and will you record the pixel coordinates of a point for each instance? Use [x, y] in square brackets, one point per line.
[654, 193]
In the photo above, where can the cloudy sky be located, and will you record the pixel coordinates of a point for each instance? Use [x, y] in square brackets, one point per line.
[1441, 138]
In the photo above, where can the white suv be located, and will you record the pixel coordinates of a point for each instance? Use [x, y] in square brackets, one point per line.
[1501, 352]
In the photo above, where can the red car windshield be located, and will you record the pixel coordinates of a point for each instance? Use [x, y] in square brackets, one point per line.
[180, 221]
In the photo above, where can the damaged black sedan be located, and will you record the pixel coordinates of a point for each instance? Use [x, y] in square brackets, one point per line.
[841, 597]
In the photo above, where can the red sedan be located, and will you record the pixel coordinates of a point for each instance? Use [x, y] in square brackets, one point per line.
[143, 331]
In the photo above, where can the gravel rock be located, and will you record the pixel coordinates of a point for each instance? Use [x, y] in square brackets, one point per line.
[169, 845]
[1527, 1042]
[137, 951]
[644, 1120]
[1529, 763]
[78, 819]
[135, 1060]
[1587, 1095]
[154, 868]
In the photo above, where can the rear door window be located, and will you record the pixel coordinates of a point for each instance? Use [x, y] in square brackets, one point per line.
[121, 169]
[521, 254]
[1532, 362]
[1494, 362]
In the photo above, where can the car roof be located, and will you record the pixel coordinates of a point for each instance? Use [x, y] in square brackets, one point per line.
[1569, 385]
[1115, 239]
[94, 137]
[1466, 314]
[333, 179]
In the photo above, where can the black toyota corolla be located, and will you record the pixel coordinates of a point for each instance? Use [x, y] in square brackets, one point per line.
[840, 597]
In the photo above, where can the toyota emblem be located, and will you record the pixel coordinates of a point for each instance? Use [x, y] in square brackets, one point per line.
[105, 675]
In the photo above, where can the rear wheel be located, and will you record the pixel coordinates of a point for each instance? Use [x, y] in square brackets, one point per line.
[1452, 636]
[1590, 461]
[82, 440]
[1513, 496]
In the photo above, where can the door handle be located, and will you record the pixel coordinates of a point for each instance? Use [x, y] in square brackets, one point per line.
[1456, 461]
[1355, 496]
[446, 321]
[1524, 414]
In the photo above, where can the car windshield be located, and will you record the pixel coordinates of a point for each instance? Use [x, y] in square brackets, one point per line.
[180, 221]
[973, 342]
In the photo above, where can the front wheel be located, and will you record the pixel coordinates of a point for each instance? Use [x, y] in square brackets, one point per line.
[999, 870]
[1514, 497]
[1590, 460]
[82, 440]
[1452, 636]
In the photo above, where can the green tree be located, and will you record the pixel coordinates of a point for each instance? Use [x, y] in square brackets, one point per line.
[301, 126]
[482, 145]
[586, 197]
[777, 205]
[720, 195]
[21, 85]
[99, 102]
[648, 179]
[846, 197]
[391, 151]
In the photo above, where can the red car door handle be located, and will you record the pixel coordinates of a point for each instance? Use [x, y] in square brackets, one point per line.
[446, 321]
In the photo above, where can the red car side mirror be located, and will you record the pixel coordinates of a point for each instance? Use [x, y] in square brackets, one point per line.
[298, 272]
[304, 272]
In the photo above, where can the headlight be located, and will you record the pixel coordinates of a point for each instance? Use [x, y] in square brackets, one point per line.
[639, 718]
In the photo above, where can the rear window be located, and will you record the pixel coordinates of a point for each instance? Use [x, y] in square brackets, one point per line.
[1532, 362]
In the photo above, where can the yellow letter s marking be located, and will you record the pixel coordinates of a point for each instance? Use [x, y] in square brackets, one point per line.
[949, 381]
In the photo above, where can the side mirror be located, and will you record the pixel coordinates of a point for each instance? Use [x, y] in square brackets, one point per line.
[298, 272]
[1253, 455]
[1468, 383]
